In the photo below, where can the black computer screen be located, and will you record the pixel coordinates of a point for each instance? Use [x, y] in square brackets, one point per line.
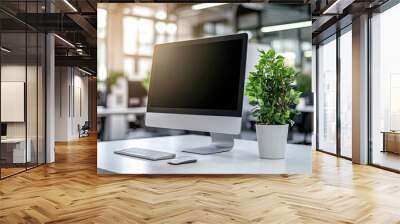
[199, 77]
[3, 129]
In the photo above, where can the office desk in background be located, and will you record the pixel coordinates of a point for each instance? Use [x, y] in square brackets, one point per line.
[15, 148]
[119, 123]
[391, 141]
[104, 112]
[242, 159]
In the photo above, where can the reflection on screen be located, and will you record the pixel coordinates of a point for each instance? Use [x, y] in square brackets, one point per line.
[197, 76]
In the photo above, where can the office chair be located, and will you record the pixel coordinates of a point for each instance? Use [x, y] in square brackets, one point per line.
[84, 130]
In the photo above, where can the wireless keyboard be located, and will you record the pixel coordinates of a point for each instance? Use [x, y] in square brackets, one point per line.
[146, 154]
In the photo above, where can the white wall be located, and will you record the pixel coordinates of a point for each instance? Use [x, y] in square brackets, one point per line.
[33, 126]
[80, 94]
[71, 87]
[17, 73]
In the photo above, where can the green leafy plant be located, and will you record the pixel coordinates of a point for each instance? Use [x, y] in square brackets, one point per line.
[303, 83]
[146, 82]
[270, 89]
[112, 79]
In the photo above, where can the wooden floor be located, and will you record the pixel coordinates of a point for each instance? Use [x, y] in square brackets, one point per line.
[70, 191]
[5, 172]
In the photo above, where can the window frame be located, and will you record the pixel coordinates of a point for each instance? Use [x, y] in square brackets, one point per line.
[336, 36]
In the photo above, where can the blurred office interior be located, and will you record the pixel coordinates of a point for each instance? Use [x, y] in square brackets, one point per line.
[124, 56]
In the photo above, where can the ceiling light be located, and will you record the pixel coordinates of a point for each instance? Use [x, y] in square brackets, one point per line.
[289, 26]
[64, 40]
[70, 5]
[334, 7]
[84, 71]
[5, 50]
[206, 5]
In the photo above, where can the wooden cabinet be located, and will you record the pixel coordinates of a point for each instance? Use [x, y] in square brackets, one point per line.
[391, 142]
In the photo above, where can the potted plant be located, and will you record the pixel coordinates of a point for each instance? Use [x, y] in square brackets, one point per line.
[270, 89]
[112, 80]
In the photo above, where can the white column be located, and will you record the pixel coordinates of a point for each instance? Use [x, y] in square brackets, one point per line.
[360, 90]
[314, 90]
[50, 99]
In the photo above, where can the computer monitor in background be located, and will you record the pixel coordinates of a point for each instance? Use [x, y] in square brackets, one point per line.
[3, 130]
[198, 85]
[136, 94]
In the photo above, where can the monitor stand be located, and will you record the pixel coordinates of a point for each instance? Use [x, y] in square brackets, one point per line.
[219, 143]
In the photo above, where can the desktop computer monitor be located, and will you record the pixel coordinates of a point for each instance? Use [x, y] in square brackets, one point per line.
[198, 85]
[3, 130]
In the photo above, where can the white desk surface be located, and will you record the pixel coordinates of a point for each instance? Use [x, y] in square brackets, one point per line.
[242, 159]
[102, 112]
[13, 140]
[305, 109]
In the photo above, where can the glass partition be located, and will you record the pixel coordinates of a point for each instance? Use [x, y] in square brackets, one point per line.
[22, 77]
[14, 153]
[327, 96]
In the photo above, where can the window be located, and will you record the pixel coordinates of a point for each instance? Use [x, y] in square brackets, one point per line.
[130, 27]
[346, 93]
[101, 44]
[385, 89]
[334, 94]
[142, 28]
[327, 96]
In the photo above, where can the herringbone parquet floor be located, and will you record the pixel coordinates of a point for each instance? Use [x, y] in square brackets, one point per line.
[70, 191]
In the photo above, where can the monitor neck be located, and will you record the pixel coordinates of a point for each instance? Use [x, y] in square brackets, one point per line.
[222, 140]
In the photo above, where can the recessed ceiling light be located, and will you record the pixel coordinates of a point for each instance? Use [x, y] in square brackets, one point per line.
[84, 71]
[206, 5]
[289, 26]
[64, 40]
[332, 7]
[70, 5]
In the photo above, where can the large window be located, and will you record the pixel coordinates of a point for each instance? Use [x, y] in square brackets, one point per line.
[334, 61]
[327, 96]
[142, 28]
[385, 89]
[101, 43]
[346, 93]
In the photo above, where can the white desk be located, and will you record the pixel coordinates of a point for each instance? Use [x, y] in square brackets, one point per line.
[19, 149]
[243, 159]
[114, 123]
[103, 112]
[305, 108]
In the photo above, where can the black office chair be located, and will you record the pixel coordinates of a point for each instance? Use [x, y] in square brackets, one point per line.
[303, 124]
[307, 127]
[84, 130]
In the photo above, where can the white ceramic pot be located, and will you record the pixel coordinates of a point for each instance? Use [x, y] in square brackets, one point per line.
[272, 141]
